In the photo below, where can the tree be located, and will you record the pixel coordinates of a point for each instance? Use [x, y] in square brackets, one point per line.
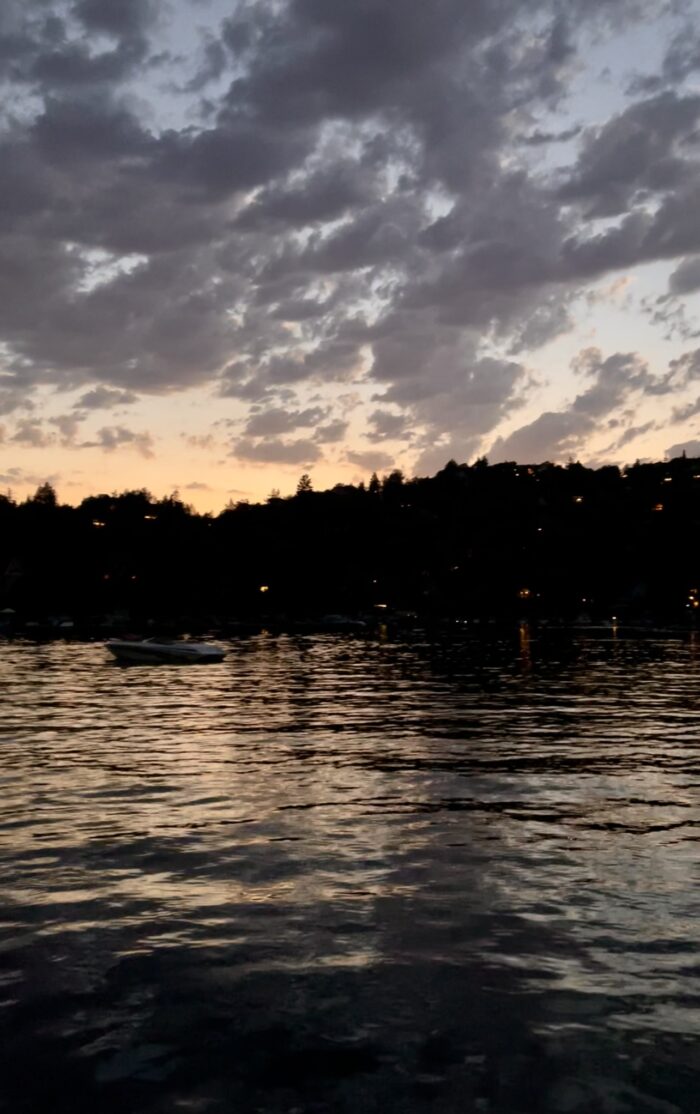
[45, 495]
[393, 480]
[304, 485]
[374, 485]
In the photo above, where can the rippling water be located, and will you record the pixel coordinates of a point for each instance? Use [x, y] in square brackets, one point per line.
[341, 875]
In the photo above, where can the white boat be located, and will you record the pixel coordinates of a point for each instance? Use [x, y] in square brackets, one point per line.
[164, 650]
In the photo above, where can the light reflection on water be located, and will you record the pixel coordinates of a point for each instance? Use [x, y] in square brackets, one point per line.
[332, 874]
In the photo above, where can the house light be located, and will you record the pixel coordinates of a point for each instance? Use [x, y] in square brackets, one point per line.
[97, 523]
[524, 593]
[264, 588]
[658, 507]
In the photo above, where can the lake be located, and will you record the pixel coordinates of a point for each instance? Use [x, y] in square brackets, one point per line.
[340, 874]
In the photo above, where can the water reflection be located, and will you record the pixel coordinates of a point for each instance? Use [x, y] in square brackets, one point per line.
[332, 874]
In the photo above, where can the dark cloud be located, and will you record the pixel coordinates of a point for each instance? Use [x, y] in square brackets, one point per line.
[681, 60]
[686, 277]
[105, 398]
[370, 461]
[13, 396]
[358, 198]
[688, 410]
[112, 438]
[642, 150]
[121, 18]
[324, 195]
[52, 44]
[275, 421]
[68, 426]
[554, 435]
[388, 426]
[539, 138]
[631, 434]
[684, 370]
[684, 448]
[31, 434]
[332, 431]
[442, 387]
[551, 436]
[275, 451]
[612, 380]
[23, 478]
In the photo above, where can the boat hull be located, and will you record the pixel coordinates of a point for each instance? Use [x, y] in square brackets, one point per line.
[155, 653]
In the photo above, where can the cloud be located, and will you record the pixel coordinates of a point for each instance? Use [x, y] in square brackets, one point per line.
[554, 435]
[370, 461]
[686, 277]
[199, 440]
[688, 410]
[22, 478]
[387, 426]
[112, 438]
[274, 421]
[275, 451]
[311, 194]
[631, 434]
[31, 434]
[104, 398]
[684, 370]
[539, 138]
[14, 398]
[551, 436]
[682, 58]
[332, 431]
[645, 148]
[68, 426]
[687, 448]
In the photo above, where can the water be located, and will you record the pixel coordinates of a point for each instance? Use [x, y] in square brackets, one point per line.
[341, 875]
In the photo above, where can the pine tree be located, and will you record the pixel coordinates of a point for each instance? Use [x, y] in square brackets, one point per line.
[45, 495]
[304, 485]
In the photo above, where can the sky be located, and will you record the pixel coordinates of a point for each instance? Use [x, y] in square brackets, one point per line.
[240, 241]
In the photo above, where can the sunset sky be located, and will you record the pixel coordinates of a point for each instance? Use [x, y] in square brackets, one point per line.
[242, 241]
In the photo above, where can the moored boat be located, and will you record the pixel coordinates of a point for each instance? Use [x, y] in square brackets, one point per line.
[163, 650]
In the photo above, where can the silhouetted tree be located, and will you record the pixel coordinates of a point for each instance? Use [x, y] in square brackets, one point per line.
[304, 485]
[45, 495]
[467, 542]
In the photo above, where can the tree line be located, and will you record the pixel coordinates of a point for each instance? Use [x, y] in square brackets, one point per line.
[482, 541]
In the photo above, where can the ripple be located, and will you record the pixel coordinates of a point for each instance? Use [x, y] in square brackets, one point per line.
[334, 873]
